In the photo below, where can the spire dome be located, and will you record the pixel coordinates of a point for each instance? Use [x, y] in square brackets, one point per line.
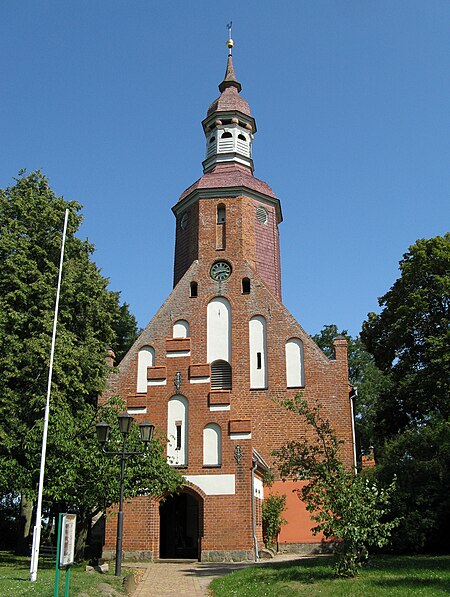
[229, 79]
[229, 99]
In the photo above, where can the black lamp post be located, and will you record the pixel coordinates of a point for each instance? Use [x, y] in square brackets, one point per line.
[103, 430]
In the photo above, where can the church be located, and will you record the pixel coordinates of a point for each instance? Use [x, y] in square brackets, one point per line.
[214, 363]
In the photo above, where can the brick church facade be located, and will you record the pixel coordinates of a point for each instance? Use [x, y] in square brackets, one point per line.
[211, 367]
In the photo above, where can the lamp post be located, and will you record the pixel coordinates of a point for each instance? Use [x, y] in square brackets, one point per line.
[103, 431]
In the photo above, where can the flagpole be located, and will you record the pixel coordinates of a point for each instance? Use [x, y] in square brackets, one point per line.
[37, 527]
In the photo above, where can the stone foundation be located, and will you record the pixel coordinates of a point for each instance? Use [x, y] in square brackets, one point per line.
[129, 556]
[306, 549]
[235, 555]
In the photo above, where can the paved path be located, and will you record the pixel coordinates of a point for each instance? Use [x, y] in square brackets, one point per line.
[188, 578]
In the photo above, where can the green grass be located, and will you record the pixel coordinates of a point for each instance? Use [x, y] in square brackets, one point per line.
[14, 579]
[389, 576]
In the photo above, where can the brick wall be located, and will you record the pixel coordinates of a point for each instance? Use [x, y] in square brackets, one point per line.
[252, 250]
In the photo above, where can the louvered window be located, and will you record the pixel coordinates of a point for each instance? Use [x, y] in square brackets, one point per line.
[220, 375]
[226, 142]
[261, 215]
[242, 145]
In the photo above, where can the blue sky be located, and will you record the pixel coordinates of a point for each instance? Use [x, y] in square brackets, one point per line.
[351, 100]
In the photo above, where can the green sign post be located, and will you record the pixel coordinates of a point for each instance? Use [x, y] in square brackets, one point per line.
[65, 550]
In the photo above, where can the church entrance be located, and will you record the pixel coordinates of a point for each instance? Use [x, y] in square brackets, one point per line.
[179, 527]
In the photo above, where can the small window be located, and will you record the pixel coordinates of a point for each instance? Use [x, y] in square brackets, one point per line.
[194, 289]
[221, 214]
[226, 135]
[178, 438]
[258, 360]
[261, 215]
[245, 286]
[220, 375]
[241, 137]
[212, 139]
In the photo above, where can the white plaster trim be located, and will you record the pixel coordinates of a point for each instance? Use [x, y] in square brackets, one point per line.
[240, 436]
[178, 353]
[137, 411]
[214, 484]
[215, 407]
[200, 379]
[258, 489]
[157, 382]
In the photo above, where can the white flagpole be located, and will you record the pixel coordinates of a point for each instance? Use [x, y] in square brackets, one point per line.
[37, 527]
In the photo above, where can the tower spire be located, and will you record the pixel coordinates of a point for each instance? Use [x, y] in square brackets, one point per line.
[229, 79]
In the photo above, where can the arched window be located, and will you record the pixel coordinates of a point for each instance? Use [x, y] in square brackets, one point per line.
[245, 286]
[221, 213]
[241, 137]
[218, 330]
[212, 139]
[212, 445]
[146, 358]
[194, 290]
[226, 135]
[221, 378]
[177, 432]
[221, 227]
[295, 377]
[181, 329]
[258, 352]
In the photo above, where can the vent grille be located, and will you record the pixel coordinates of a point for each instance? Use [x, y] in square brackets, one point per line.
[220, 375]
[242, 147]
[226, 145]
[261, 215]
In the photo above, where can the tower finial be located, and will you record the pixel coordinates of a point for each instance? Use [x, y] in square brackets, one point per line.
[230, 42]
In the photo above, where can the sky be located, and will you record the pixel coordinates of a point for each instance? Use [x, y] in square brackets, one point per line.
[352, 104]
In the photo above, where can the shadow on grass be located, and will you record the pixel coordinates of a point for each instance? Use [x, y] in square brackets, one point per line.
[414, 584]
[414, 563]
[9, 558]
[305, 571]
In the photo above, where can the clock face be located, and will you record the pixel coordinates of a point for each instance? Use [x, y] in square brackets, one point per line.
[184, 221]
[220, 270]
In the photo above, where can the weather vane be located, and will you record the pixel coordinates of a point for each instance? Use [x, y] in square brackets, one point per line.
[230, 42]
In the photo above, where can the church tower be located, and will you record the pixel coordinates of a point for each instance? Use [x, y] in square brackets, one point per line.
[212, 367]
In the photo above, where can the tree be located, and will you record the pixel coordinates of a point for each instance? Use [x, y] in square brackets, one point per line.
[363, 374]
[31, 218]
[350, 509]
[410, 338]
[126, 330]
[272, 519]
[410, 342]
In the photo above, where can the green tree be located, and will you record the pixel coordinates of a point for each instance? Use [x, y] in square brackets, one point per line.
[363, 374]
[410, 342]
[126, 330]
[272, 508]
[349, 509]
[410, 338]
[31, 218]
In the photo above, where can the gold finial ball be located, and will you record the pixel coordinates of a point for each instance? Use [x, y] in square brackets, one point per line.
[230, 43]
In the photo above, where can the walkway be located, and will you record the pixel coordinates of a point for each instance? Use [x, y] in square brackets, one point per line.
[188, 578]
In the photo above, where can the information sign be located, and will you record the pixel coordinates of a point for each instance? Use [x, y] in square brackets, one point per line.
[67, 549]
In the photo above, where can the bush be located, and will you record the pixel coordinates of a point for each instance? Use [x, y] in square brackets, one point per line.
[272, 520]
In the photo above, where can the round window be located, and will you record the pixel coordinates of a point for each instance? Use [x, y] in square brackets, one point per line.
[261, 215]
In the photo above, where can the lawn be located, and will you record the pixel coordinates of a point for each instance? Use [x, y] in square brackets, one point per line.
[14, 579]
[390, 576]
